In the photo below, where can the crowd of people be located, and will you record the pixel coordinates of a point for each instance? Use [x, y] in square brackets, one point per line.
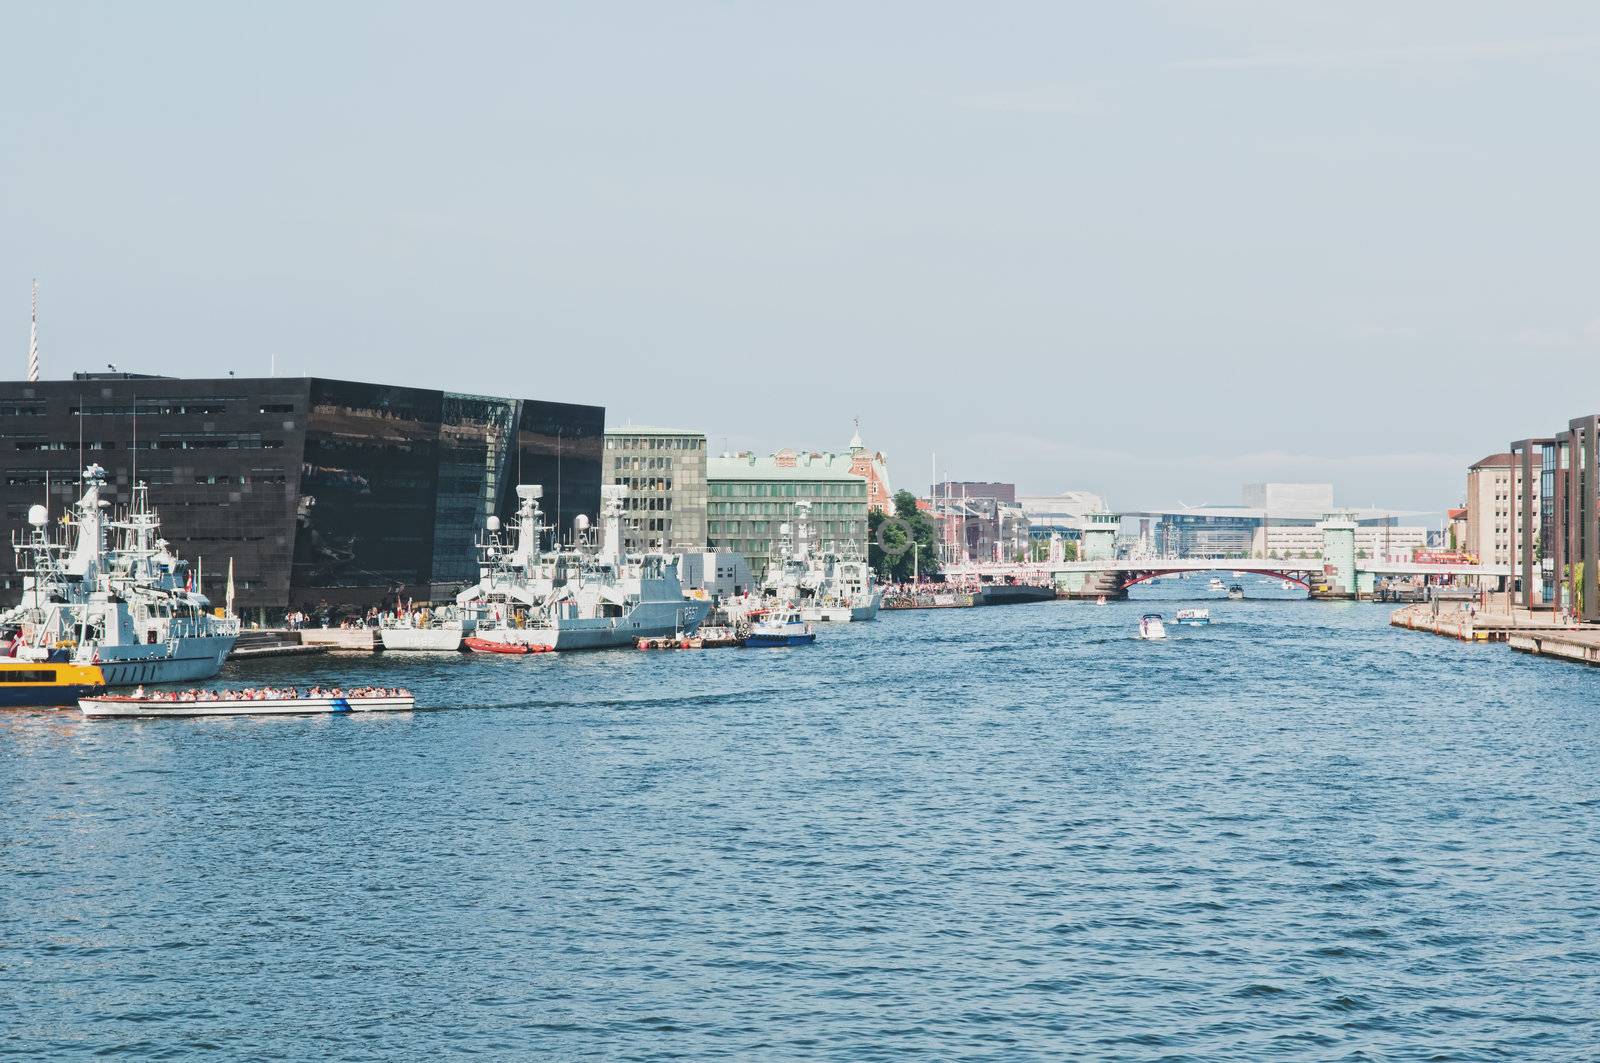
[298, 619]
[272, 694]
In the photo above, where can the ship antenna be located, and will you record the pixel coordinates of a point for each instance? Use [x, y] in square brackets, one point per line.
[559, 495]
[33, 338]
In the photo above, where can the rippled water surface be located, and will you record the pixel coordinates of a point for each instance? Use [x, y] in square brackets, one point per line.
[1008, 832]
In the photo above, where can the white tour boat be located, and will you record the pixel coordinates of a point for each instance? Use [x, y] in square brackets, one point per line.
[1193, 617]
[262, 702]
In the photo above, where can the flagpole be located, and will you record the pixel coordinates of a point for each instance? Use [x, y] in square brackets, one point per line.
[33, 338]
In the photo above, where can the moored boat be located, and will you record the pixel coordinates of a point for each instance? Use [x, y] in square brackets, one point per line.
[827, 585]
[602, 598]
[503, 640]
[266, 701]
[108, 592]
[426, 631]
[782, 629]
[41, 683]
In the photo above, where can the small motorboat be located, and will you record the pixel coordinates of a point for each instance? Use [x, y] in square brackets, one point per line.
[1151, 627]
[1100, 600]
[1235, 593]
[503, 640]
[1194, 617]
[1216, 584]
[784, 629]
[1285, 585]
[264, 701]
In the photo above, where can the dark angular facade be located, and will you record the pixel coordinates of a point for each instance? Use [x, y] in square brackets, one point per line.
[327, 494]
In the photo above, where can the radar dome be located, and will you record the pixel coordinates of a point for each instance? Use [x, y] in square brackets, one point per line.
[493, 524]
[581, 522]
[38, 516]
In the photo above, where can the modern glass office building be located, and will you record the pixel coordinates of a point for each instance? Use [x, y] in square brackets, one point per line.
[664, 470]
[1562, 571]
[326, 494]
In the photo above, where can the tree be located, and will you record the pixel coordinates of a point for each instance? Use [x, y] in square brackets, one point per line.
[892, 541]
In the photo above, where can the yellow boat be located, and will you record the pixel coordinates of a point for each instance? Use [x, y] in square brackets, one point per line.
[44, 683]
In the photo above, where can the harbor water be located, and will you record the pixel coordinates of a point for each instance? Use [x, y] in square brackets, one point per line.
[1002, 833]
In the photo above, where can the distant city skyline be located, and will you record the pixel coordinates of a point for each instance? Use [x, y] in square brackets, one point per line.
[1145, 251]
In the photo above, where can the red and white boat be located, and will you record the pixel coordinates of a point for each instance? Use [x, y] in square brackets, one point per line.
[504, 640]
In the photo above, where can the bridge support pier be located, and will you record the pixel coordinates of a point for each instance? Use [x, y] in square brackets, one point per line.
[1339, 558]
[1090, 585]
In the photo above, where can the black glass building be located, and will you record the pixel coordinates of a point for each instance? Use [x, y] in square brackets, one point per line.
[326, 494]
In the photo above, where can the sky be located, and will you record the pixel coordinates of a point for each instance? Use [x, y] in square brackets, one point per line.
[1153, 250]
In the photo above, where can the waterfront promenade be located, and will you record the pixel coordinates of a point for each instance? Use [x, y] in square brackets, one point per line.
[1537, 632]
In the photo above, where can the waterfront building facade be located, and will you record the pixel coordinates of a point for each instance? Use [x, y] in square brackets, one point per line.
[1495, 509]
[664, 470]
[1555, 535]
[750, 498]
[326, 494]
[872, 467]
[1384, 540]
[978, 521]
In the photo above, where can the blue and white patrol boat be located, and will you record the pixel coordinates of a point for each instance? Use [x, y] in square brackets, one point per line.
[781, 629]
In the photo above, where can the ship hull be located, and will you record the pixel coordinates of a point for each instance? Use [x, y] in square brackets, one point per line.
[773, 641]
[188, 660]
[142, 709]
[828, 614]
[42, 684]
[646, 621]
[435, 639]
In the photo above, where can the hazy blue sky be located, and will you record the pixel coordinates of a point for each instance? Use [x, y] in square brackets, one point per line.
[1150, 249]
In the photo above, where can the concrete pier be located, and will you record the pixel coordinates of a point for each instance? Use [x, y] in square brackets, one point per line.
[270, 642]
[364, 639]
[1457, 620]
[1582, 646]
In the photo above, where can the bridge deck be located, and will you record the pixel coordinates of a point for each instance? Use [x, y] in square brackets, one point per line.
[1289, 566]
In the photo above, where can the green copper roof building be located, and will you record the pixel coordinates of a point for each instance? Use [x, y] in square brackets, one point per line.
[750, 498]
